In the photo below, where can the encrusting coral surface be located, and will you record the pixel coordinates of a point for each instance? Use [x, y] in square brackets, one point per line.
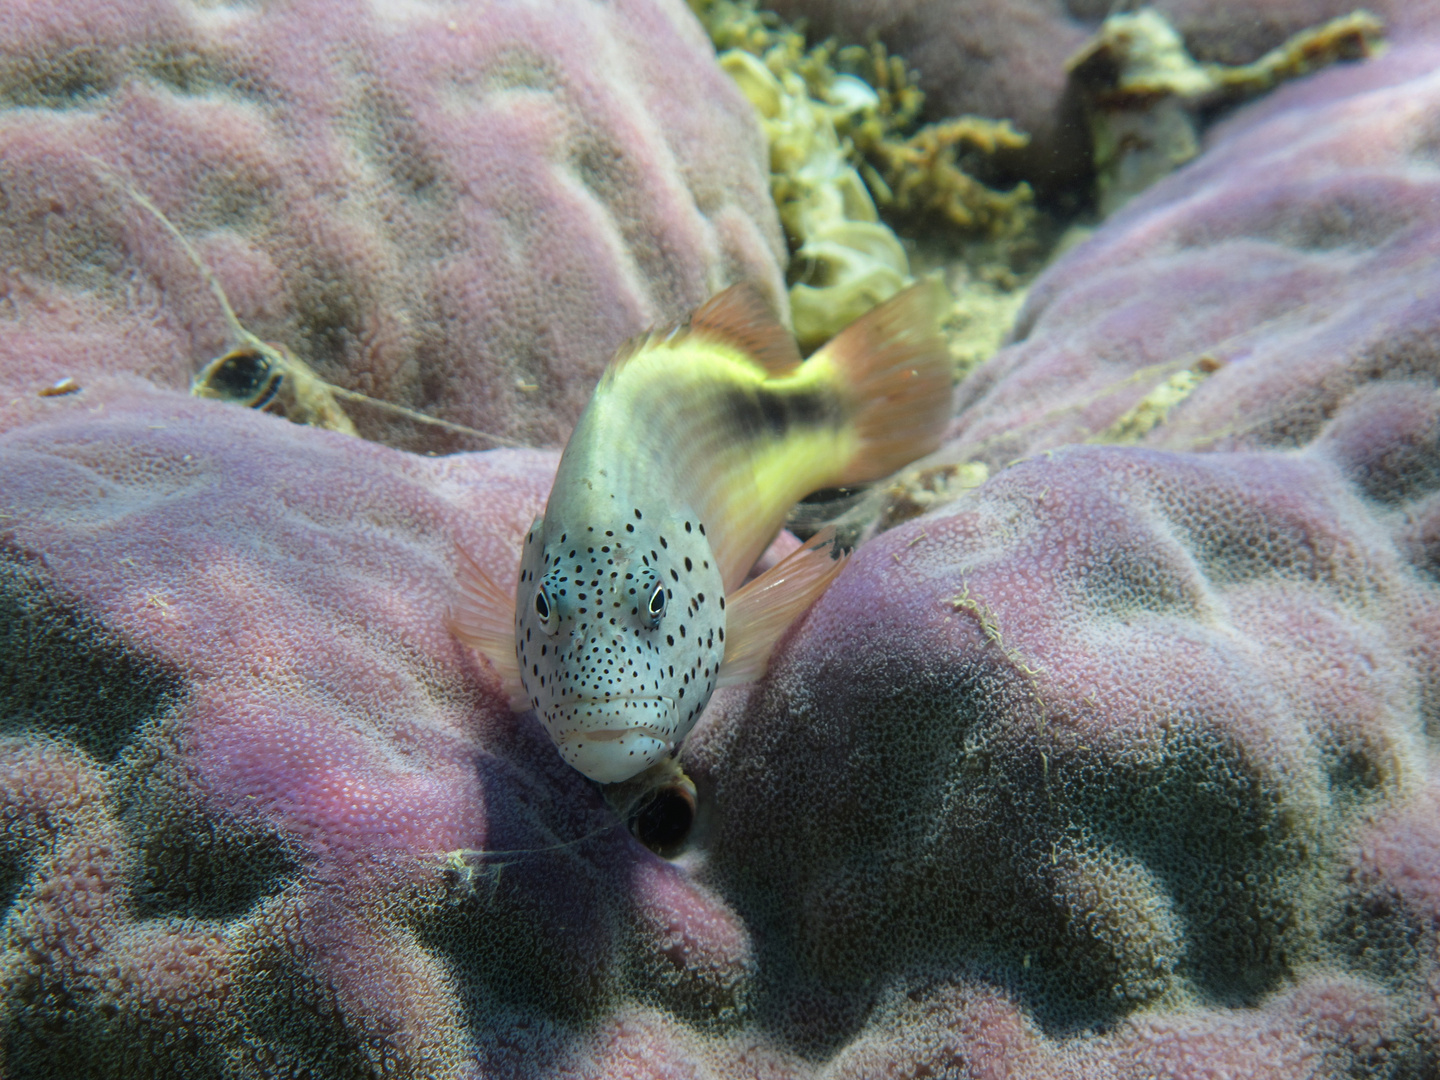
[463, 209]
[1120, 763]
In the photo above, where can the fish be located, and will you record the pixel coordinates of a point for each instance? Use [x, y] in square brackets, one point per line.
[631, 606]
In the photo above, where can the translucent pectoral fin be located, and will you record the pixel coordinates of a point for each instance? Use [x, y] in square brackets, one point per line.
[483, 617]
[758, 614]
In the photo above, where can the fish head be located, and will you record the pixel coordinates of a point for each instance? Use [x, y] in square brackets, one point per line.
[619, 637]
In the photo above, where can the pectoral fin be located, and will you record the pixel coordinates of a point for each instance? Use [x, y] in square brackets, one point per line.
[483, 617]
[758, 614]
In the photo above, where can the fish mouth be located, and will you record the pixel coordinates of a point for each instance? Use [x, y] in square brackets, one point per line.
[619, 746]
[613, 708]
[611, 734]
[623, 697]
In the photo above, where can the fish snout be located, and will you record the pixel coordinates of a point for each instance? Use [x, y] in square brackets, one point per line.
[613, 740]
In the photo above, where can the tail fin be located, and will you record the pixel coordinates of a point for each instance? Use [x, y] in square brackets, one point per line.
[895, 368]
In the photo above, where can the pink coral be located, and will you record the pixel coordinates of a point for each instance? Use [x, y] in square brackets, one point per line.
[1121, 765]
[1292, 263]
[285, 790]
[1102, 740]
[459, 208]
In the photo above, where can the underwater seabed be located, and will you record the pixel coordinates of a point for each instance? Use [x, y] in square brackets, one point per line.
[1110, 753]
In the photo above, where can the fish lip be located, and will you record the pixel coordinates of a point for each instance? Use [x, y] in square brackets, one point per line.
[611, 734]
[624, 697]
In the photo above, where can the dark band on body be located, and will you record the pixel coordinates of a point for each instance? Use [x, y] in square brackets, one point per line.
[757, 412]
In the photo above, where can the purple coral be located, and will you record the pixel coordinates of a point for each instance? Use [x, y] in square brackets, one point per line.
[278, 789]
[463, 209]
[1122, 765]
[1291, 264]
[1097, 746]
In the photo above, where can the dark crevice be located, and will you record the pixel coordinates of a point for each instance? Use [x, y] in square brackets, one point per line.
[65, 674]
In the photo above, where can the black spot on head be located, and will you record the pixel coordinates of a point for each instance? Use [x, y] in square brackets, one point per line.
[688, 567]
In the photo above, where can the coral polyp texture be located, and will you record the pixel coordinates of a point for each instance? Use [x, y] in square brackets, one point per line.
[1240, 304]
[1120, 763]
[1134, 720]
[459, 208]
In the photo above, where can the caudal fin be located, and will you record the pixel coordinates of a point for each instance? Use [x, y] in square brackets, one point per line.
[895, 369]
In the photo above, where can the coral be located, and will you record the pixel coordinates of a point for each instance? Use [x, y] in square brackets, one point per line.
[1004, 60]
[1300, 253]
[1124, 762]
[263, 815]
[1099, 746]
[463, 210]
[1144, 94]
[841, 127]
[919, 175]
[845, 260]
[1007, 58]
[1115, 761]
[913, 170]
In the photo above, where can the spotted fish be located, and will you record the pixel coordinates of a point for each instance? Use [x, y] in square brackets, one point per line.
[631, 605]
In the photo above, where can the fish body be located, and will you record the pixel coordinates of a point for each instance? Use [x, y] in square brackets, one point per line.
[630, 608]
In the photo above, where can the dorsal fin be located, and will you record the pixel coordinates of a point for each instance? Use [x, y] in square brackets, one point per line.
[627, 351]
[739, 318]
[742, 318]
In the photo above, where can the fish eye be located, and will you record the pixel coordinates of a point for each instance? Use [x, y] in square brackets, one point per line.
[545, 608]
[656, 606]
